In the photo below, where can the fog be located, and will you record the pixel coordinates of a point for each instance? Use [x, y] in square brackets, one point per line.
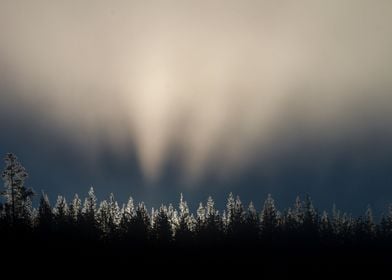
[215, 84]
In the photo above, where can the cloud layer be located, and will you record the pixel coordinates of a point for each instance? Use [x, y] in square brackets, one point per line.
[215, 85]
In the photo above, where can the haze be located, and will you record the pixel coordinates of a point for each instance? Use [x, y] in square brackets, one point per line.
[213, 85]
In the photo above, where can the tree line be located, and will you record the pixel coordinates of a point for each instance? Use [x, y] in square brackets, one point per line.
[132, 223]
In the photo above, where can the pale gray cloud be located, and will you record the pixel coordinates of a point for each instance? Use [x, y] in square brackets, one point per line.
[213, 80]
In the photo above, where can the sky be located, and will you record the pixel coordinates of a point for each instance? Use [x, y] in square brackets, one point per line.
[154, 98]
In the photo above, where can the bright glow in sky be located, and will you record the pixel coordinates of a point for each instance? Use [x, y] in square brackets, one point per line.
[213, 81]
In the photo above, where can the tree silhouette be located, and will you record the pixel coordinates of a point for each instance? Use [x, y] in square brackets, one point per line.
[235, 217]
[299, 231]
[89, 216]
[139, 226]
[325, 228]
[213, 226]
[127, 216]
[75, 209]
[45, 215]
[269, 219]
[61, 212]
[109, 216]
[16, 194]
[385, 227]
[310, 219]
[183, 233]
[252, 228]
[162, 229]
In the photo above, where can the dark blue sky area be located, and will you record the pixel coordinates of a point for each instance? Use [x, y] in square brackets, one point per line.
[352, 175]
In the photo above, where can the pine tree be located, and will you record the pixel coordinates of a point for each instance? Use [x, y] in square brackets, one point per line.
[45, 215]
[347, 227]
[183, 231]
[225, 221]
[90, 207]
[162, 230]
[3, 218]
[16, 194]
[251, 222]
[235, 222]
[289, 222]
[230, 205]
[335, 221]
[103, 217]
[61, 213]
[201, 217]
[113, 216]
[139, 227]
[114, 211]
[89, 223]
[153, 216]
[127, 215]
[369, 225]
[269, 219]
[129, 210]
[192, 223]
[298, 211]
[310, 213]
[238, 211]
[108, 217]
[386, 225]
[363, 229]
[389, 217]
[310, 218]
[75, 209]
[61, 208]
[213, 223]
[28, 213]
[325, 227]
[172, 215]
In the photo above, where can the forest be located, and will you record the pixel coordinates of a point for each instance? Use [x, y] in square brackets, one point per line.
[105, 229]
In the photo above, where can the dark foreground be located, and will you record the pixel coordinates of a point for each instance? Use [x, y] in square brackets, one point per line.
[309, 258]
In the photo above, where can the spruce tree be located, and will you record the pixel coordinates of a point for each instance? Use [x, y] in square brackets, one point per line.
[15, 193]
[269, 219]
[75, 209]
[162, 230]
[289, 222]
[129, 210]
[45, 215]
[310, 219]
[89, 217]
[28, 213]
[172, 215]
[90, 207]
[127, 215]
[230, 205]
[103, 218]
[298, 211]
[114, 212]
[252, 227]
[109, 216]
[183, 231]
[61, 213]
[200, 218]
[369, 225]
[235, 217]
[336, 221]
[386, 225]
[213, 224]
[325, 227]
[139, 227]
